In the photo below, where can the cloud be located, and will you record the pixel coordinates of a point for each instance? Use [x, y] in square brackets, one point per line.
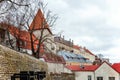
[90, 23]
[113, 13]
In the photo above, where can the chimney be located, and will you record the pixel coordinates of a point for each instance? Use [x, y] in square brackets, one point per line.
[70, 39]
[60, 35]
[72, 43]
[82, 66]
[63, 37]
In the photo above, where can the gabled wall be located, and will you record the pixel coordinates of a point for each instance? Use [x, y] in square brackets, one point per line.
[106, 71]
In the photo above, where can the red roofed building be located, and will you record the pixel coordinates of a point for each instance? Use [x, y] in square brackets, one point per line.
[53, 58]
[20, 38]
[94, 72]
[55, 63]
[87, 54]
[82, 68]
[41, 30]
[39, 22]
[76, 49]
[84, 52]
[116, 66]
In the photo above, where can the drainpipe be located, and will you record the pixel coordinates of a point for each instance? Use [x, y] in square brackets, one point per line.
[94, 75]
[119, 76]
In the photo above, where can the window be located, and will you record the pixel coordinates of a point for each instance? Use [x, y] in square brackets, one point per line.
[99, 78]
[67, 56]
[111, 78]
[22, 43]
[89, 77]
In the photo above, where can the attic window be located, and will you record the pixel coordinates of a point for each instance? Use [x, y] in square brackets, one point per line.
[99, 78]
[89, 77]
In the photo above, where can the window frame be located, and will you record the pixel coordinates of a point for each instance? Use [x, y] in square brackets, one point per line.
[101, 78]
[113, 78]
[89, 77]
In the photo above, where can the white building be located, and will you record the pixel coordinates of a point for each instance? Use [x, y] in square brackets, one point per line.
[95, 72]
[56, 64]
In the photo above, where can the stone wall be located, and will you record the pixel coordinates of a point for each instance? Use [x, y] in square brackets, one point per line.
[13, 62]
[62, 76]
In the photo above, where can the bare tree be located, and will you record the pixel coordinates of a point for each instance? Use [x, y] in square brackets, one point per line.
[47, 22]
[6, 5]
[23, 20]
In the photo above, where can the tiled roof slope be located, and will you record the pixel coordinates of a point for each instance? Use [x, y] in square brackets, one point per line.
[53, 58]
[76, 47]
[82, 68]
[39, 22]
[116, 66]
[23, 36]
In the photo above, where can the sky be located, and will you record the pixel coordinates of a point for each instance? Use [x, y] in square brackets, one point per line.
[94, 24]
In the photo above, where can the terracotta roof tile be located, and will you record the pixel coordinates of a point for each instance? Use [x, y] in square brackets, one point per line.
[116, 66]
[38, 22]
[84, 68]
[52, 58]
[76, 47]
[23, 36]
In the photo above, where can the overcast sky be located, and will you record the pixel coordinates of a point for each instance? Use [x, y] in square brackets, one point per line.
[94, 24]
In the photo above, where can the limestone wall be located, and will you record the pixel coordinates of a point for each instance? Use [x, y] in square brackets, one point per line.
[13, 62]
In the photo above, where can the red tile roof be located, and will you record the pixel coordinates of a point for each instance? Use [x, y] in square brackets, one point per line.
[84, 68]
[23, 36]
[38, 22]
[53, 58]
[116, 66]
[76, 47]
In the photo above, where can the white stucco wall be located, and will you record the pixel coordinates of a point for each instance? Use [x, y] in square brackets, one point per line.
[55, 67]
[83, 75]
[106, 71]
[37, 33]
[49, 43]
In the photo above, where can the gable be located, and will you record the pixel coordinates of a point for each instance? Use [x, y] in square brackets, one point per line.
[46, 33]
[39, 22]
[105, 69]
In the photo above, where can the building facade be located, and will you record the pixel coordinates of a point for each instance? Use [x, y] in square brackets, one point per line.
[95, 72]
